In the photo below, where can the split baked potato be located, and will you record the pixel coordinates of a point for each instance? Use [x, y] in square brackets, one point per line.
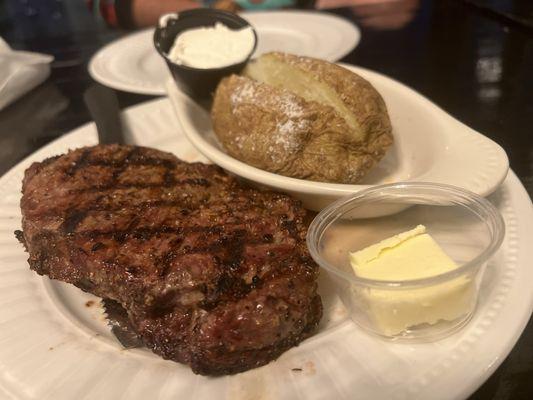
[302, 117]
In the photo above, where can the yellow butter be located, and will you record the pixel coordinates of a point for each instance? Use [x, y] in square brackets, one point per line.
[409, 255]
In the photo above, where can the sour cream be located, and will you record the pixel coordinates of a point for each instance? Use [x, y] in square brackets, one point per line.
[212, 47]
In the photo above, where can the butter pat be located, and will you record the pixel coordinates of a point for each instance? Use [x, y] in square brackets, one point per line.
[410, 255]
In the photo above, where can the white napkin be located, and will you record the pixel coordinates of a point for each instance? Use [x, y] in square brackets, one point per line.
[20, 72]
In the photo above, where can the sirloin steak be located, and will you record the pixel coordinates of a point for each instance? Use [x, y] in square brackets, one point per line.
[212, 274]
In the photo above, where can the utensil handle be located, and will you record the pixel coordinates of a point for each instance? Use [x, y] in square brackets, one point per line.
[104, 109]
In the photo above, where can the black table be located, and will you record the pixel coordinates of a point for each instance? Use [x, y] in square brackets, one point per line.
[473, 60]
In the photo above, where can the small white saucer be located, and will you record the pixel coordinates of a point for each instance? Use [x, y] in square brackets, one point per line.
[132, 64]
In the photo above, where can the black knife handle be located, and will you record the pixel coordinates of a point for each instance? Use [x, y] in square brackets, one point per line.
[103, 106]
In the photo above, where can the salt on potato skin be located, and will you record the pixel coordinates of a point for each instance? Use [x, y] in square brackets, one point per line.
[301, 117]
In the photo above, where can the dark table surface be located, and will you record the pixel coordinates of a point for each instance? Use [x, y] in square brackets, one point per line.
[472, 58]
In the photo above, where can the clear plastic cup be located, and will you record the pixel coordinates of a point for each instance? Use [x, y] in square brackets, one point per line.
[466, 226]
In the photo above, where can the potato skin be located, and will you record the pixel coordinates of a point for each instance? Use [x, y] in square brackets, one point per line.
[357, 93]
[273, 129]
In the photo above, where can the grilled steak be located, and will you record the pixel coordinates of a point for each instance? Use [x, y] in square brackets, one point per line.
[211, 273]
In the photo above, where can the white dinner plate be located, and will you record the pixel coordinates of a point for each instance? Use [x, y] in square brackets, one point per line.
[429, 146]
[54, 343]
[132, 64]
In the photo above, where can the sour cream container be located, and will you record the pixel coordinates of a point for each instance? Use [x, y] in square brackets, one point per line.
[199, 81]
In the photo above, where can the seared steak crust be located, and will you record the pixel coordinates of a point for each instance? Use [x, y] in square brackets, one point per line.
[211, 273]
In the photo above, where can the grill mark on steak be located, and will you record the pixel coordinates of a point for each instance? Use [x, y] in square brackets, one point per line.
[114, 205]
[196, 222]
[79, 163]
[148, 233]
[134, 155]
[212, 274]
[72, 220]
[117, 207]
[120, 167]
[166, 260]
[74, 217]
[129, 159]
[168, 182]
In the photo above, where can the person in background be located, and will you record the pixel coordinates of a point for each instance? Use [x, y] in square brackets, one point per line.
[131, 14]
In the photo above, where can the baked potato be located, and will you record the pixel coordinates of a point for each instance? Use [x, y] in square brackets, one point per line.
[302, 117]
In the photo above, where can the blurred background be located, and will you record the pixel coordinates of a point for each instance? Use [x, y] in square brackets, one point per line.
[474, 58]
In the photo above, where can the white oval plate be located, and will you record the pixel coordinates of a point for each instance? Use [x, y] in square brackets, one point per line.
[429, 146]
[131, 63]
[54, 346]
